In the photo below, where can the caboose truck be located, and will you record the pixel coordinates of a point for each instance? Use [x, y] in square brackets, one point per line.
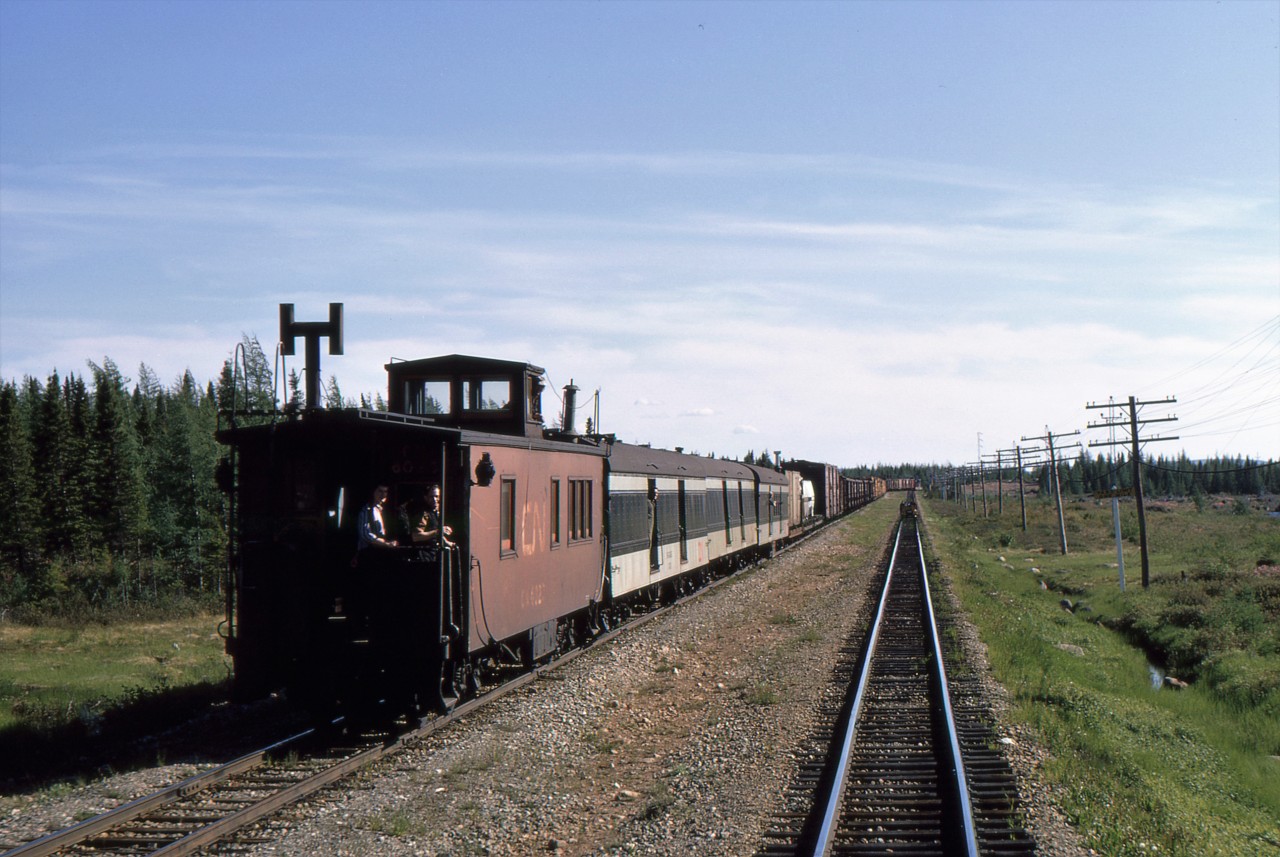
[399, 626]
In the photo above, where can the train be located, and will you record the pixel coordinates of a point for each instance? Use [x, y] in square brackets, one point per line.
[544, 537]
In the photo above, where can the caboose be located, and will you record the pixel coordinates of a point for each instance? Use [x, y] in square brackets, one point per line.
[520, 574]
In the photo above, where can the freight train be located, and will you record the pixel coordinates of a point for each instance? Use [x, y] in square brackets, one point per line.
[353, 590]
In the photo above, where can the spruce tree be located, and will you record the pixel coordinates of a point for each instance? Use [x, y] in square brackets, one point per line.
[118, 500]
[59, 493]
[19, 538]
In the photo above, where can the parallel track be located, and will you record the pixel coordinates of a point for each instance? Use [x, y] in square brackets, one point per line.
[896, 767]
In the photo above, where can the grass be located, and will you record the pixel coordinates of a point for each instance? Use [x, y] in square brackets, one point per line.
[761, 694]
[74, 692]
[54, 675]
[1138, 770]
[396, 822]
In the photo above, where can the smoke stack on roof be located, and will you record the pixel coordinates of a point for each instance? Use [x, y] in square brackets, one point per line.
[570, 407]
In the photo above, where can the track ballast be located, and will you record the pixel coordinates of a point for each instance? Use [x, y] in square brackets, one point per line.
[901, 764]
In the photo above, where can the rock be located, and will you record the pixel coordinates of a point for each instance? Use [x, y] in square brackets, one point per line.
[1071, 649]
[1175, 683]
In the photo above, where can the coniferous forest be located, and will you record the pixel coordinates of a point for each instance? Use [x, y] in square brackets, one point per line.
[107, 494]
[109, 503]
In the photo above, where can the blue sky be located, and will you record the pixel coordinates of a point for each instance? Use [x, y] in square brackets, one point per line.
[853, 231]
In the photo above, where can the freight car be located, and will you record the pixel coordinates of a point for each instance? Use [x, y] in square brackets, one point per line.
[829, 495]
[543, 538]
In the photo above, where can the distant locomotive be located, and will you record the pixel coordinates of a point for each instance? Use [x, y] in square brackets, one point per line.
[543, 536]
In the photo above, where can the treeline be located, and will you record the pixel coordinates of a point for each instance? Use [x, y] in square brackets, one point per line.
[1167, 477]
[107, 492]
[1162, 476]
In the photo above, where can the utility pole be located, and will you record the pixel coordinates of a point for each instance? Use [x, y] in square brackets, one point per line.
[982, 475]
[1057, 486]
[1022, 489]
[1001, 455]
[1111, 420]
[999, 480]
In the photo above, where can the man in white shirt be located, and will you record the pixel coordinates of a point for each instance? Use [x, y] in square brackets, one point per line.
[373, 527]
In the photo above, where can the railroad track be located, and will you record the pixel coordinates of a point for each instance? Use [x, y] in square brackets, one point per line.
[222, 803]
[901, 764]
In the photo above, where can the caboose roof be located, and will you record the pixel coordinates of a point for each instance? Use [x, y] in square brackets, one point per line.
[460, 364]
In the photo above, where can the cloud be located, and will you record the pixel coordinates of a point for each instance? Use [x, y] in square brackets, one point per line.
[839, 327]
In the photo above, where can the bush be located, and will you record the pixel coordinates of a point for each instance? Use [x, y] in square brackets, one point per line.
[1245, 680]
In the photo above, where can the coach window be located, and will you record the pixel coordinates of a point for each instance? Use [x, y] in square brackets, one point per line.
[507, 534]
[555, 513]
[580, 523]
[683, 521]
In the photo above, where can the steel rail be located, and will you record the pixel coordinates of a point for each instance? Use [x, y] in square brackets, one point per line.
[831, 812]
[825, 836]
[968, 827]
[58, 840]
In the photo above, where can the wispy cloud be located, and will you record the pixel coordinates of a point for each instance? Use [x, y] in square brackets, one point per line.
[692, 311]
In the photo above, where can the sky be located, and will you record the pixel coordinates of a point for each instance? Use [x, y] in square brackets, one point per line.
[854, 232]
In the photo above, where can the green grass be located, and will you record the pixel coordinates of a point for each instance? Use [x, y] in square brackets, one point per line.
[74, 698]
[1138, 770]
[51, 675]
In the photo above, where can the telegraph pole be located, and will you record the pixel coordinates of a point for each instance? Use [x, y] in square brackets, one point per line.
[982, 475]
[1111, 421]
[1057, 486]
[999, 480]
[1022, 491]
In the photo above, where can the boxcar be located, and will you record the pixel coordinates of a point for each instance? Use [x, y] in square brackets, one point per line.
[828, 486]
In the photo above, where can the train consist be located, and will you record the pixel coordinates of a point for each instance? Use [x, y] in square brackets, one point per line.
[908, 507]
[351, 586]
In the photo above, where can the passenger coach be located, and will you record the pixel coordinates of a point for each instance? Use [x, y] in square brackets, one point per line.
[675, 517]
